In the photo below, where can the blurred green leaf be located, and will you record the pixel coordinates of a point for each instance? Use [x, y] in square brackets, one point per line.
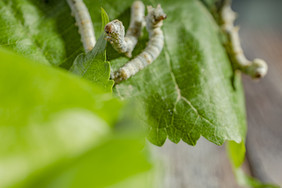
[190, 90]
[55, 130]
[236, 153]
[107, 164]
[248, 181]
[26, 88]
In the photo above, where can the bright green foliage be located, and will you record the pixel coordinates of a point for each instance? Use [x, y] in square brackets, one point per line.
[236, 152]
[110, 162]
[55, 130]
[191, 89]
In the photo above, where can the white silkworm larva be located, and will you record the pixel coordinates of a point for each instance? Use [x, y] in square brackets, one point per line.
[256, 68]
[154, 21]
[115, 30]
[85, 26]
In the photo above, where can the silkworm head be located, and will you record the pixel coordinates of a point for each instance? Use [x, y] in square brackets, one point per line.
[156, 14]
[260, 68]
[108, 29]
[159, 14]
[114, 29]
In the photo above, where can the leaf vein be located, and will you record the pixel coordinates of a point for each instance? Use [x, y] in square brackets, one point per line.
[178, 90]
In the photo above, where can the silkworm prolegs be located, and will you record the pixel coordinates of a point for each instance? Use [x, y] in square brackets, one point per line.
[256, 68]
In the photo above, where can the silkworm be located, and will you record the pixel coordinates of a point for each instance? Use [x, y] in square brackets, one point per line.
[84, 23]
[256, 68]
[115, 30]
[154, 21]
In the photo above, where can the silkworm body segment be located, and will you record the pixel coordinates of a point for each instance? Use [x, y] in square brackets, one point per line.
[116, 34]
[154, 21]
[256, 68]
[85, 26]
[136, 25]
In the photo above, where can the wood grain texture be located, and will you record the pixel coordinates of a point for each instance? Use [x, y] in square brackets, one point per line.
[264, 106]
[203, 166]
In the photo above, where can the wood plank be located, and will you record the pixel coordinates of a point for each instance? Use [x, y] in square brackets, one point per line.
[264, 106]
[203, 166]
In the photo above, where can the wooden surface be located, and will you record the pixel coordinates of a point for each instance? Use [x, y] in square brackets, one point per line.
[203, 166]
[206, 165]
[264, 106]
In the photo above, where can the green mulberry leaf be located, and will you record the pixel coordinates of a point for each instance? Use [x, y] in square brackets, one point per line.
[191, 89]
[92, 66]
